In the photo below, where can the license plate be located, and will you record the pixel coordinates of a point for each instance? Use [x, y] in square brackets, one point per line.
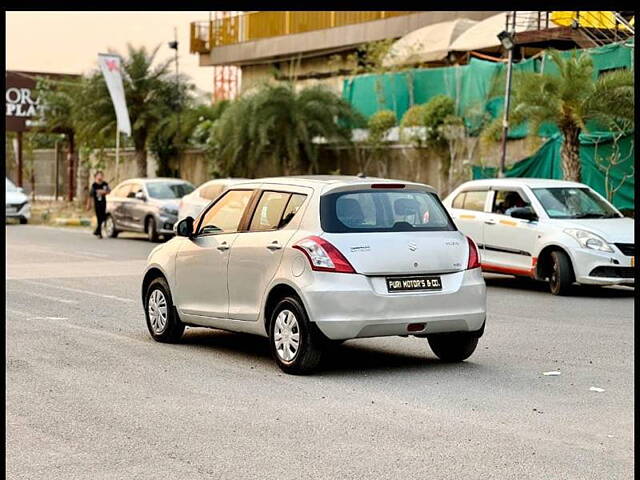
[415, 283]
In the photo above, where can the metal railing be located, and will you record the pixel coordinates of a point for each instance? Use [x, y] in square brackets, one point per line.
[264, 24]
[598, 27]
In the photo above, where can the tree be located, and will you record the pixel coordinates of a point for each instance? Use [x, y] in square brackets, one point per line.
[175, 133]
[378, 125]
[616, 160]
[436, 112]
[152, 95]
[61, 101]
[570, 99]
[279, 122]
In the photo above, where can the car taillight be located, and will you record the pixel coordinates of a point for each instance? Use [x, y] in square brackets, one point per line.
[323, 256]
[474, 256]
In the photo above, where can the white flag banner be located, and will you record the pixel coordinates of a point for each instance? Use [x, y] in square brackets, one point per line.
[111, 69]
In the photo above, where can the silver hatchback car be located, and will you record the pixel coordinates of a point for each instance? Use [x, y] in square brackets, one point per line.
[148, 205]
[313, 261]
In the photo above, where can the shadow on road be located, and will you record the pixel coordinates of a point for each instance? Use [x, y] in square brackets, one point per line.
[525, 284]
[347, 359]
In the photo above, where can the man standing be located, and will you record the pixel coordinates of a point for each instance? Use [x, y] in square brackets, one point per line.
[99, 191]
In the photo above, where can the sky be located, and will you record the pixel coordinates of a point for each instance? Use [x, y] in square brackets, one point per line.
[69, 42]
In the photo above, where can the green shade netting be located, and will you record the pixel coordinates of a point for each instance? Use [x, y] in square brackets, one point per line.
[596, 150]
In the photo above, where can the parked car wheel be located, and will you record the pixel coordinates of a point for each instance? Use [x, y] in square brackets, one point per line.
[561, 276]
[453, 347]
[152, 230]
[23, 221]
[110, 227]
[295, 343]
[162, 319]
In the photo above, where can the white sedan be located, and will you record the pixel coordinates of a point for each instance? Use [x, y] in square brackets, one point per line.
[550, 230]
[192, 204]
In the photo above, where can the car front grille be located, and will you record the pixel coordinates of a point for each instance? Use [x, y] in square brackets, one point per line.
[17, 206]
[628, 249]
[613, 272]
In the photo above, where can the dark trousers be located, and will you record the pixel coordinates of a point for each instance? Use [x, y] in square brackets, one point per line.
[101, 214]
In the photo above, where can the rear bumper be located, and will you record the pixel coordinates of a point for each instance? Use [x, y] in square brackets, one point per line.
[362, 307]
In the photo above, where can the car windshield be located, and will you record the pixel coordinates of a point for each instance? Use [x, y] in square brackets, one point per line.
[164, 190]
[572, 202]
[383, 211]
[10, 186]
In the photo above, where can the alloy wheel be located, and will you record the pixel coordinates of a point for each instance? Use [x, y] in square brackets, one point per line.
[286, 336]
[554, 275]
[109, 226]
[157, 309]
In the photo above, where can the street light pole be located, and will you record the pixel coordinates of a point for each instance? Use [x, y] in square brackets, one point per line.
[505, 118]
[174, 45]
[507, 40]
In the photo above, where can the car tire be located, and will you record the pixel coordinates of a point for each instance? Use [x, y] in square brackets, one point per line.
[152, 229]
[162, 319]
[452, 347]
[24, 221]
[561, 275]
[295, 342]
[110, 227]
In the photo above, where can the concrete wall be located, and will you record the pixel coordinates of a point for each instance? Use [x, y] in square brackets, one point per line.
[255, 75]
[400, 162]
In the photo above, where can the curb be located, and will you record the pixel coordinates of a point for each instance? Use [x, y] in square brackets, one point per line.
[73, 222]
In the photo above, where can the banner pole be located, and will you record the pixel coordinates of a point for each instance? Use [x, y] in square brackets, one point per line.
[117, 154]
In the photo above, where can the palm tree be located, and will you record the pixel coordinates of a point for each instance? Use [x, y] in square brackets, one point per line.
[570, 100]
[151, 92]
[280, 122]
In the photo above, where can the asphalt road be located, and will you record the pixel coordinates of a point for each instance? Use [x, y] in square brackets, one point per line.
[90, 395]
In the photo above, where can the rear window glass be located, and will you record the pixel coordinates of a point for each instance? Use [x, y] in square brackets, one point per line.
[383, 211]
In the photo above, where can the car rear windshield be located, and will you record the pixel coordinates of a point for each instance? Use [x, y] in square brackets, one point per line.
[383, 211]
[164, 190]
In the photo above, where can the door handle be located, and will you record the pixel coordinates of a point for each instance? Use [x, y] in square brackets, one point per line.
[274, 246]
[223, 247]
[490, 222]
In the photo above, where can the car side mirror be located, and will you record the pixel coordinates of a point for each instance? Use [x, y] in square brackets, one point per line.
[525, 213]
[185, 227]
[141, 196]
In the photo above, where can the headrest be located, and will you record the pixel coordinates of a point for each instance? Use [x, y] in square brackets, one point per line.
[406, 206]
[349, 211]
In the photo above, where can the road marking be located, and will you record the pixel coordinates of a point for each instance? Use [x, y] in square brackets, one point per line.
[97, 331]
[49, 318]
[74, 269]
[46, 297]
[77, 290]
[52, 251]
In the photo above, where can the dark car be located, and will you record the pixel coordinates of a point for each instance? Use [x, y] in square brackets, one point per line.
[148, 205]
